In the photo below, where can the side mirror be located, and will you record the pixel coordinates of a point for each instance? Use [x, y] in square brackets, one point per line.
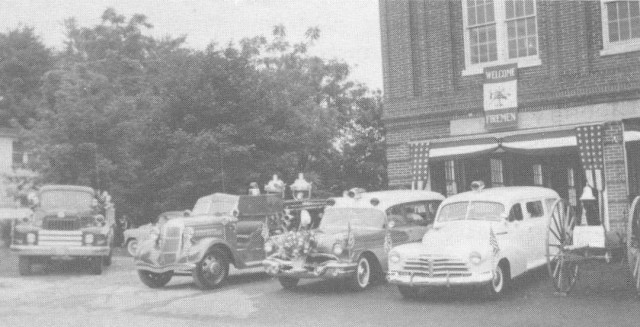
[187, 213]
[391, 224]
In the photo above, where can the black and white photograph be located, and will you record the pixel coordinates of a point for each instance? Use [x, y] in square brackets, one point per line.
[319, 163]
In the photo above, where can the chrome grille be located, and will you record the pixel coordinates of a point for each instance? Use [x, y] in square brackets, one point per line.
[170, 242]
[59, 238]
[55, 223]
[436, 267]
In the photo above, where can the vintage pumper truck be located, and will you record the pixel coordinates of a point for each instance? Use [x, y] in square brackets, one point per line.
[68, 222]
[222, 229]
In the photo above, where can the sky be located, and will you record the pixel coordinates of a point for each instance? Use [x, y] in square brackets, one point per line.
[349, 29]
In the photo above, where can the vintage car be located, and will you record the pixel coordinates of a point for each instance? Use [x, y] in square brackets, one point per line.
[480, 237]
[68, 222]
[222, 229]
[133, 236]
[353, 238]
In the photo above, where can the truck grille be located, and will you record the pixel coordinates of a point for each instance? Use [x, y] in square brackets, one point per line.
[170, 243]
[55, 223]
[429, 266]
[59, 238]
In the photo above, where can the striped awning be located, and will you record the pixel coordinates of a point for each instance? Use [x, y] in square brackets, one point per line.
[455, 150]
[540, 143]
[631, 136]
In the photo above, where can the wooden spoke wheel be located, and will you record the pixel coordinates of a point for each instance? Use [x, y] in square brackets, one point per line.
[633, 242]
[562, 269]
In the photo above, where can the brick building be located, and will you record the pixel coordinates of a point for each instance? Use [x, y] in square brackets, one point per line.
[499, 91]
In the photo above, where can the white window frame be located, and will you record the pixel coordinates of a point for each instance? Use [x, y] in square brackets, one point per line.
[611, 48]
[501, 41]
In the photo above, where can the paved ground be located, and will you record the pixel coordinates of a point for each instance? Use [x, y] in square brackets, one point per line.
[70, 296]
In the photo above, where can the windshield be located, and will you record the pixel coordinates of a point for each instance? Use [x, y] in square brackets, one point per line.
[70, 200]
[216, 206]
[362, 218]
[477, 210]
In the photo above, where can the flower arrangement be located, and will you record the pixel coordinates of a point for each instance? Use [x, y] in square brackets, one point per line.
[294, 244]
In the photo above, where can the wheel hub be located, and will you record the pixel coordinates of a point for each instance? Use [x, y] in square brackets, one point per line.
[214, 268]
[363, 273]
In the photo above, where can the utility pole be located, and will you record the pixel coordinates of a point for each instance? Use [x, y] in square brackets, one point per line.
[222, 170]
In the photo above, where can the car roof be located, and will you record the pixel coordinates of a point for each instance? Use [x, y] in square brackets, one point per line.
[387, 198]
[77, 188]
[251, 205]
[505, 195]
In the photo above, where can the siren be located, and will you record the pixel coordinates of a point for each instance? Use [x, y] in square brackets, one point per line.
[356, 192]
[477, 186]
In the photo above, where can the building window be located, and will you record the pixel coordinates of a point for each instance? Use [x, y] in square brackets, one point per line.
[620, 26]
[20, 156]
[571, 184]
[497, 179]
[537, 175]
[499, 32]
[450, 177]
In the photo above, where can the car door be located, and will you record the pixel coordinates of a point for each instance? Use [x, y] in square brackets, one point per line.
[515, 240]
[249, 240]
[535, 233]
[414, 218]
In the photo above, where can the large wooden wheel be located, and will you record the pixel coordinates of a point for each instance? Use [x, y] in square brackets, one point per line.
[562, 269]
[633, 242]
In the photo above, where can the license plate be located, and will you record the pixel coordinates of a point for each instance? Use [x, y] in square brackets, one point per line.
[60, 251]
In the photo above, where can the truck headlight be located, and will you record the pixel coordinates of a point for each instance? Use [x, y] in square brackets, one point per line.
[475, 258]
[88, 239]
[338, 249]
[394, 257]
[268, 247]
[31, 238]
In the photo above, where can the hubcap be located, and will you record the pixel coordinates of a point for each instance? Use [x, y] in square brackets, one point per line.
[363, 273]
[497, 281]
[133, 246]
[212, 268]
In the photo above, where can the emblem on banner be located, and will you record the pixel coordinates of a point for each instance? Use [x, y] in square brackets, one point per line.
[500, 90]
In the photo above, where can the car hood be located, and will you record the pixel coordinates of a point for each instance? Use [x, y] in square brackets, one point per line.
[459, 238]
[326, 238]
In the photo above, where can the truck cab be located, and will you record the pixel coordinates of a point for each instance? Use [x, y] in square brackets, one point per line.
[68, 222]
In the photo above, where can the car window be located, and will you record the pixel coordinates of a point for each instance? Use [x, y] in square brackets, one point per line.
[359, 218]
[515, 214]
[413, 214]
[535, 209]
[475, 210]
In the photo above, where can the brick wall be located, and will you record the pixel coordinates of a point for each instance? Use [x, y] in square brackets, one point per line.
[398, 136]
[572, 70]
[615, 176]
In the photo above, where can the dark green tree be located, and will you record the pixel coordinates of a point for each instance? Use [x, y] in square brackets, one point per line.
[23, 61]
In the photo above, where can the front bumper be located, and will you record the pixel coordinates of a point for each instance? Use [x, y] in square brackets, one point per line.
[154, 268]
[300, 269]
[57, 251]
[406, 278]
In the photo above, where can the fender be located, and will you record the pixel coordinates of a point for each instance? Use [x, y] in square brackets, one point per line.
[517, 260]
[145, 247]
[199, 249]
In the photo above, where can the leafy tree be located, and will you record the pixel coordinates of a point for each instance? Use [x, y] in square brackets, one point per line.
[159, 125]
[23, 60]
